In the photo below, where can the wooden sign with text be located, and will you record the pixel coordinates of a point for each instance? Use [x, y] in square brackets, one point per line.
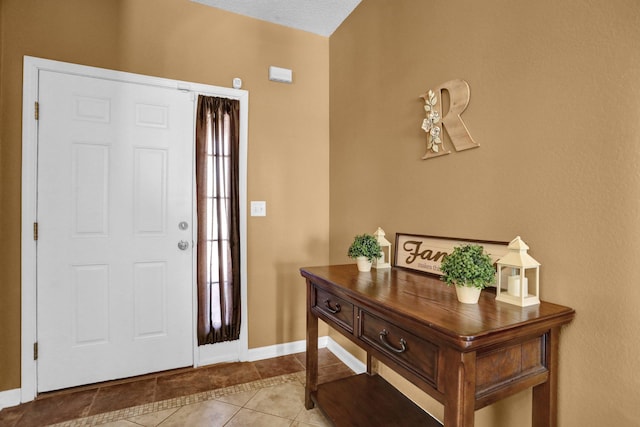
[425, 253]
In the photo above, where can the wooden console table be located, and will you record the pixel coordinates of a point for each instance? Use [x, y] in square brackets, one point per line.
[464, 356]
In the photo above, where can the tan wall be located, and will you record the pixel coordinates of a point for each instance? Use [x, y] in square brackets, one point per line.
[555, 105]
[179, 39]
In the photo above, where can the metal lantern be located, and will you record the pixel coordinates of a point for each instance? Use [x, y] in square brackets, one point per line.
[521, 268]
[385, 246]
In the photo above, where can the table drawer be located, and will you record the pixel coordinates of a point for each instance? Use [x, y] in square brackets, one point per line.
[403, 347]
[335, 308]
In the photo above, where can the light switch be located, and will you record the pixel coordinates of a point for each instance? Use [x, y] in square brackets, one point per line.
[258, 208]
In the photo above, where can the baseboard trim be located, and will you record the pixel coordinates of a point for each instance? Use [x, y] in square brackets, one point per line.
[268, 352]
[210, 354]
[299, 346]
[9, 398]
[347, 358]
[285, 349]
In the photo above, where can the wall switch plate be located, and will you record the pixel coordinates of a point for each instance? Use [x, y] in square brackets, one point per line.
[258, 208]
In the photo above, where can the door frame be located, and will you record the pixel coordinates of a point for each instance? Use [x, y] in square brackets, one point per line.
[32, 67]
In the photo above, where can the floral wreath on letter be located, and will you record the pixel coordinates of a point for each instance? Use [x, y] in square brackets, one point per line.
[429, 124]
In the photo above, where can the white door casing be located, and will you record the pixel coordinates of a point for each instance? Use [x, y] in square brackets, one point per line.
[87, 326]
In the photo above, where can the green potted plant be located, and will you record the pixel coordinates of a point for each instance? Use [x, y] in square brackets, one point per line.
[364, 249]
[470, 269]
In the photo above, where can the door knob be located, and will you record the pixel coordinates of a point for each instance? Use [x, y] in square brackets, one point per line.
[183, 245]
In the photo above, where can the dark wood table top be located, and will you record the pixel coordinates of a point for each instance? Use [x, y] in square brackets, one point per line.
[429, 302]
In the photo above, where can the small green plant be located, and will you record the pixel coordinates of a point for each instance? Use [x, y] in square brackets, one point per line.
[468, 265]
[365, 245]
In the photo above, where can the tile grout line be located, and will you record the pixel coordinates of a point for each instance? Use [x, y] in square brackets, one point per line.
[176, 402]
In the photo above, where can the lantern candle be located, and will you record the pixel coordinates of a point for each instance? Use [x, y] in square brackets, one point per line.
[518, 261]
[514, 285]
[385, 248]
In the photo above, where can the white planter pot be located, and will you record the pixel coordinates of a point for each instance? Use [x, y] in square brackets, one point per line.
[468, 295]
[363, 263]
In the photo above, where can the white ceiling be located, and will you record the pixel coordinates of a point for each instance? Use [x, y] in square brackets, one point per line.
[320, 17]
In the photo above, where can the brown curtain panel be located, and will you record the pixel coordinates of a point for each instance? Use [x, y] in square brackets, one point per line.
[218, 205]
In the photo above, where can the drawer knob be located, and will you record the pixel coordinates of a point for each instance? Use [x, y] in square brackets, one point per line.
[383, 340]
[327, 304]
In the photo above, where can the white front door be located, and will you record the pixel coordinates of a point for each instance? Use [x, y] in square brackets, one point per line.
[114, 212]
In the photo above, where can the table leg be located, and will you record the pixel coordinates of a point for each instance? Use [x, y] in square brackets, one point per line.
[459, 388]
[311, 385]
[545, 395]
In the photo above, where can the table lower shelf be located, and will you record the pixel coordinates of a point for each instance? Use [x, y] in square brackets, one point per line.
[368, 400]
